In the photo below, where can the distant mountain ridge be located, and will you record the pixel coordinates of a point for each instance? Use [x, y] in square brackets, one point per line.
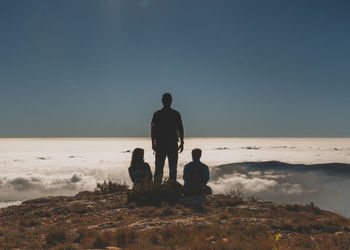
[339, 169]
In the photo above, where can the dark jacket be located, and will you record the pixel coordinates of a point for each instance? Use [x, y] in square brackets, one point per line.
[196, 173]
[166, 126]
[140, 173]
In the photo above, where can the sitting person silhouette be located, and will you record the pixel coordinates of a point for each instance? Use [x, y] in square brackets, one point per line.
[139, 171]
[196, 176]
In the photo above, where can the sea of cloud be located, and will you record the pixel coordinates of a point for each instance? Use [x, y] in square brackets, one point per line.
[31, 168]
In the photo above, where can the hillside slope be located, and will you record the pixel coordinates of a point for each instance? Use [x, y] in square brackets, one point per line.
[107, 220]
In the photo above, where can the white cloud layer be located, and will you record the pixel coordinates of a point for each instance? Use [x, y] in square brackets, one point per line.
[33, 168]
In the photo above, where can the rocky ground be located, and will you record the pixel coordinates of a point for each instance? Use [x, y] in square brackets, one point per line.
[108, 221]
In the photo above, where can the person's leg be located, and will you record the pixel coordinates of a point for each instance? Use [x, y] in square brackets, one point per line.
[172, 159]
[160, 161]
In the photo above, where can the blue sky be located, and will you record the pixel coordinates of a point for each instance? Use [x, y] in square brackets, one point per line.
[245, 68]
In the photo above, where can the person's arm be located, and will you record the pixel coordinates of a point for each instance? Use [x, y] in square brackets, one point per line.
[131, 174]
[180, 130]
[186, 175]
[206, 174]
[153, 131]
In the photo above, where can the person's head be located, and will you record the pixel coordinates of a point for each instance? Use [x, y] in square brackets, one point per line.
[196, 154]
[137, 156]
[166, 100]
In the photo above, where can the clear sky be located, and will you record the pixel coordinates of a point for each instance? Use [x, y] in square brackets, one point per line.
[236, 68]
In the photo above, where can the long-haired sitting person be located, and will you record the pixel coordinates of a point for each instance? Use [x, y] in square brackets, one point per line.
[139, 170]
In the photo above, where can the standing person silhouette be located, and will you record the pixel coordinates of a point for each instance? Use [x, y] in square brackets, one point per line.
[166, 132]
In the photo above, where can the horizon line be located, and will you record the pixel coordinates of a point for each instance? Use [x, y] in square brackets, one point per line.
[148, 137]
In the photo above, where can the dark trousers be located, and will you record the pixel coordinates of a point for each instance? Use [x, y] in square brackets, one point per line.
[161, 154]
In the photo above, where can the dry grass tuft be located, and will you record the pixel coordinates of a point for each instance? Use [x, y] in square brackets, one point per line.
[151, 194]
[226, 201]
[108, 187]
[166, 211]
[56, 235]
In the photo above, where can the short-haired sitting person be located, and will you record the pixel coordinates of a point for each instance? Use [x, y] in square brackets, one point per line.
[196, 176]
[139, 171]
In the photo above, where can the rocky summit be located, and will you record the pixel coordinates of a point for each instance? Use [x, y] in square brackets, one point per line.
[107, 220]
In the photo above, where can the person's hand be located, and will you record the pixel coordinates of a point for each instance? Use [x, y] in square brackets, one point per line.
[181, 147]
